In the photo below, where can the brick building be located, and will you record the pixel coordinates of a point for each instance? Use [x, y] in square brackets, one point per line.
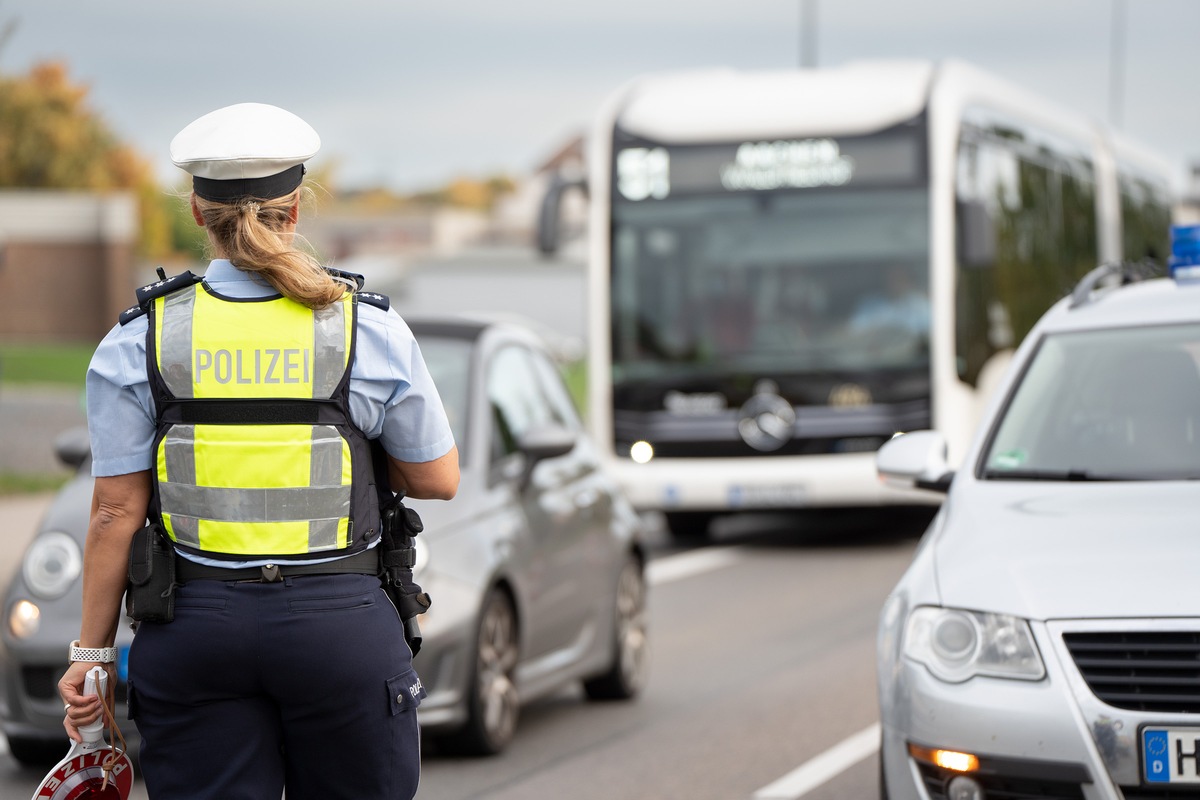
[66, 263]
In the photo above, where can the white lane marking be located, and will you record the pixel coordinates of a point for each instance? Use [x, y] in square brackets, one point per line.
[685, 565]
[831, 763]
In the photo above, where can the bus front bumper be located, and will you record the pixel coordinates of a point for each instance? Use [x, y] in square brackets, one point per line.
[770, 482]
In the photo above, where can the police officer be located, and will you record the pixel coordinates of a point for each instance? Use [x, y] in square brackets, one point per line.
[236, 412]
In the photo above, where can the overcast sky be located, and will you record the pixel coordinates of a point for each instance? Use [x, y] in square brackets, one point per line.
[408, 94]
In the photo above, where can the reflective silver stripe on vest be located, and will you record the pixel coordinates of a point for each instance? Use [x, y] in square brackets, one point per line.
[329, 349]
[175, 355]
[255, 505]
[179, 453]
[325, 470]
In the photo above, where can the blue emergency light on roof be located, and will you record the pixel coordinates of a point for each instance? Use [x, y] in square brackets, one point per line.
[1185, 252]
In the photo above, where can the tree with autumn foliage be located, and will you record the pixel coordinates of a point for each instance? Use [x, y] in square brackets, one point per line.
[472, 193]
[52, 139]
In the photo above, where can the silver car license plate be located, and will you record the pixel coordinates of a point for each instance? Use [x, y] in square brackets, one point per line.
[1171, 755]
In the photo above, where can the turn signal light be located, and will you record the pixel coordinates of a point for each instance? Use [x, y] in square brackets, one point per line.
[946, 759]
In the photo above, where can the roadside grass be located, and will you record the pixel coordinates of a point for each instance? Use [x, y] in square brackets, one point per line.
[575, 375]
[15, 483]
[61, 364]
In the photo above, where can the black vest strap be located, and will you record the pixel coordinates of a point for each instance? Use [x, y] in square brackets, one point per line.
[251, 412]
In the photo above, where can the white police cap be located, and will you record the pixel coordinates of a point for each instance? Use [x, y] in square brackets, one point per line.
[248, 150]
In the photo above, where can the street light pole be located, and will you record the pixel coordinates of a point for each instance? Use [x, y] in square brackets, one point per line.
[1116, 65]
[808, 33]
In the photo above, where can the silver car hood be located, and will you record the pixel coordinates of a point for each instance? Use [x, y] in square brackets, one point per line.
[1071, 550]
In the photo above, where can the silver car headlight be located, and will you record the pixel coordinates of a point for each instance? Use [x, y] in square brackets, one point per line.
[52, 563]
[956, 645]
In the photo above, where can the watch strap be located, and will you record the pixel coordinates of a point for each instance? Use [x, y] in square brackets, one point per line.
[92, 655]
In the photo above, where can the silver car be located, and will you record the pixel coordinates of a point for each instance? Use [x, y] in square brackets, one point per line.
[535, 568]
[1045, 641]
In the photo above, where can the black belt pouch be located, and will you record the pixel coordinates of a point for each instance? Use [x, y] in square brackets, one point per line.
[150, 595]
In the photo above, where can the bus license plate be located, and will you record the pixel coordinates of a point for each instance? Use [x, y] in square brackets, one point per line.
[782, 495]
[1171, 755]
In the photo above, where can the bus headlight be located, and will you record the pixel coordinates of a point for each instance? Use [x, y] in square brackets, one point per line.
[51, 565]
[641, 452]
[956, 645]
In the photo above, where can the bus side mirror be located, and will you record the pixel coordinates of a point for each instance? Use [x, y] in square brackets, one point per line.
[976, 235]
[550, 214]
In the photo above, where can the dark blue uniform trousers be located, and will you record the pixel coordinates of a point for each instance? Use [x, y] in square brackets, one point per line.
[306, 683]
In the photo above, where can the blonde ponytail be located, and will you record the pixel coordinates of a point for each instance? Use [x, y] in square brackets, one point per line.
[253, 235]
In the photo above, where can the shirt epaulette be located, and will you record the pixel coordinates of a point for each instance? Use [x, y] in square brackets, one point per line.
[130, 314]
[358, 281]
[350, 277]
[163, 286]
[375, 299]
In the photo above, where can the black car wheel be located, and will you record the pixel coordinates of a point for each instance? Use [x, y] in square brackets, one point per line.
[493, 705]
[627, 672]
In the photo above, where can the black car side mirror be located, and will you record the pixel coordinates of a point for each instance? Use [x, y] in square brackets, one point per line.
[73, 447]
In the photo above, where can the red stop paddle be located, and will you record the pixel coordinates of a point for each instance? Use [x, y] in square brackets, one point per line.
[93, 769]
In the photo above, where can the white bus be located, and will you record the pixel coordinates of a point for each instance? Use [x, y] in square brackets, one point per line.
[787, 268]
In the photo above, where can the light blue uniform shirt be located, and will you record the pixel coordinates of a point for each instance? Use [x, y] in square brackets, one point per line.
[392, 395]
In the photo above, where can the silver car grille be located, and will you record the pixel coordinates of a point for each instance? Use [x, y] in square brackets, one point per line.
[1156, 671]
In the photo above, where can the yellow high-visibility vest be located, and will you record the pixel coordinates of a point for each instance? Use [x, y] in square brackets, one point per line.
[256, 455]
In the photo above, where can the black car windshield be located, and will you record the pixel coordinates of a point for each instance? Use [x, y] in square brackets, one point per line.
[1119, 404]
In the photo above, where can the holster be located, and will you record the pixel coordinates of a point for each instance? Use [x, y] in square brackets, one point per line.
[397, 554]
[150, 594]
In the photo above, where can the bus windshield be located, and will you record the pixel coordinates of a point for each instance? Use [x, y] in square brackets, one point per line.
[828, 280]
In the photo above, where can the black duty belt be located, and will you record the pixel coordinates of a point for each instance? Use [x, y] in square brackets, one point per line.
[364, 563]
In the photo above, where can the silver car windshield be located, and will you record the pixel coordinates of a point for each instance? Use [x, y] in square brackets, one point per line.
[1104, 405]
[449, 362]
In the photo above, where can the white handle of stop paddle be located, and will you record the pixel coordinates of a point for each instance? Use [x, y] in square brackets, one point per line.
[95, 682]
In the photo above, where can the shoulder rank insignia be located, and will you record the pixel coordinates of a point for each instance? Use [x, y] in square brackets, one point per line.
[375, 299]
[163, 286]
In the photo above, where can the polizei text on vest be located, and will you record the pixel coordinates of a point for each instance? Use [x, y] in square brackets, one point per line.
[268, 365]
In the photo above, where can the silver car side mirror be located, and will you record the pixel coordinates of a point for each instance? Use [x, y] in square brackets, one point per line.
[545, 441]
[915, 460]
